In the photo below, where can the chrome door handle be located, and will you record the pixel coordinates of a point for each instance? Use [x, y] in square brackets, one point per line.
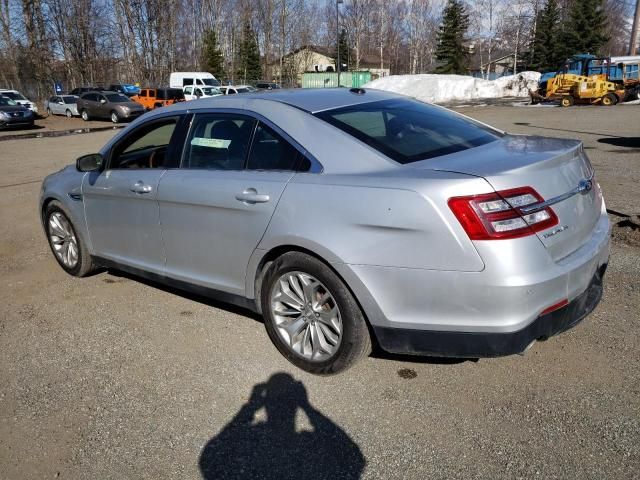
[251, 196]
[141, 187]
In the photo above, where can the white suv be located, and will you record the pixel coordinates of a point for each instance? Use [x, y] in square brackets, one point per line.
[20, 99]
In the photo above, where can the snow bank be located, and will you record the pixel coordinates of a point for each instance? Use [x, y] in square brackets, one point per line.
[446, 88]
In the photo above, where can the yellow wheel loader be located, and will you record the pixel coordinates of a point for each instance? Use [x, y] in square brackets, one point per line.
[569, 88]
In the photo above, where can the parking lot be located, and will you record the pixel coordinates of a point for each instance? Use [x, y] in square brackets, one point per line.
[112, 377]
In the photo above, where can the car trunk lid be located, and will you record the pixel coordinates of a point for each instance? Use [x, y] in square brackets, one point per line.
[557, 169]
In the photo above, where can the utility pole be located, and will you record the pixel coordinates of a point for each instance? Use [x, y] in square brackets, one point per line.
[633, 42]
[338, 2]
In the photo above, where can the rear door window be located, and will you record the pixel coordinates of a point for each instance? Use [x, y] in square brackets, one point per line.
[407, 130]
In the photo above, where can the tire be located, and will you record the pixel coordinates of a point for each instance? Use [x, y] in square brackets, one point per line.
[609, 99]
[85, 115]
[114, 117]
[68, 113]
[566, 101]
[346, 344]
[48, 111]
[56, 223]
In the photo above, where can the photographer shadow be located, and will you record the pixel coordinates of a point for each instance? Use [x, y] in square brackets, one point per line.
[267, 445]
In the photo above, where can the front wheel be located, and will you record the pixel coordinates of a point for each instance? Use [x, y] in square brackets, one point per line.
[85, 115]
[566, 101]
[311, 316]
[68, 248]
[114, 117]
[609, 99]
[68, 113]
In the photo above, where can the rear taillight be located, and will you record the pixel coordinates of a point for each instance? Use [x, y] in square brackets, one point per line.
[494, 216]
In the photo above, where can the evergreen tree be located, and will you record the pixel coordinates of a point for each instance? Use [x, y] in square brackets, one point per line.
[212, 60]
[451, 38]
[343, 45]
[585, 29]
[249, 68]
[547, 51]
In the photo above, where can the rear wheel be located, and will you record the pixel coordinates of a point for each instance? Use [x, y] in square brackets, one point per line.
[85, 115]
[311, 316]
[114, 117]
[68, 113]
[566, 101]
[609, 99]
[68, 248]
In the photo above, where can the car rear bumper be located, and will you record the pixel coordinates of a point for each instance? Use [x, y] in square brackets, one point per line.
[479, 344]
[501, 304]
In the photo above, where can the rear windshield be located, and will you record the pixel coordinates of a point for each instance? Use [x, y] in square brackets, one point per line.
[118, 98]
[170, 94]
[407, 130]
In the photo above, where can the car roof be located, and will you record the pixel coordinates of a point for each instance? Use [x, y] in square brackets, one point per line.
[310, 100]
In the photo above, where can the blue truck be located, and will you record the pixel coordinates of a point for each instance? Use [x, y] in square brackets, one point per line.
[623, 71]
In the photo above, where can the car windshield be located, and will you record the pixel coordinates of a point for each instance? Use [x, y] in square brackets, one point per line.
[211, 91]
[118, 98]
[170, 94]
[211, 81]
[69, 99]
[14, 95]
[407, 130]
[6, 102]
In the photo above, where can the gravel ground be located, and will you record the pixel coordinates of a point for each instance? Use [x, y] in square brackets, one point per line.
[110, 377]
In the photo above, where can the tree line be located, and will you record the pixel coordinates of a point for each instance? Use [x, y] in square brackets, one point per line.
[86, 42]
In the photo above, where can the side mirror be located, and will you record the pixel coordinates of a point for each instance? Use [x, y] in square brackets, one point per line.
[103, 101]
[60, 103]
[89, 163]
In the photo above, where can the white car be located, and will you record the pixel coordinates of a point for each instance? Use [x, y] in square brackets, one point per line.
[194, 93]
[20, 99]
[234, 89]
[62, 105]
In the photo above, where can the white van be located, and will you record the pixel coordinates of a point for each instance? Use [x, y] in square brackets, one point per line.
[184, 79]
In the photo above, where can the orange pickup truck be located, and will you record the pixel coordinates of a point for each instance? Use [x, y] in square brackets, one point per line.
[151, 98]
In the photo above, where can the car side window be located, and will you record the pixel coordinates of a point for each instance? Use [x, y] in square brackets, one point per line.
[269, 151]
[218, 142]
[188, 90]
[146, 147]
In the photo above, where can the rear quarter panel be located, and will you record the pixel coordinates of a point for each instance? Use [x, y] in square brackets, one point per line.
[383, 220]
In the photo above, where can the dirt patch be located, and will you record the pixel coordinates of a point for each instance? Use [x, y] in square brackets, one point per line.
[627, 231]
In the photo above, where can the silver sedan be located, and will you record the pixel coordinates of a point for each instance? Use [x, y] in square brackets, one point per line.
[346, 218]
[62, 105]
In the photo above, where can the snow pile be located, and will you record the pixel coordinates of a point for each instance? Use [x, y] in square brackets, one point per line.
[446, 88]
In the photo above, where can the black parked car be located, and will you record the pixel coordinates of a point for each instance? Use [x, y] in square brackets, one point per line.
[80, 90]
[14, 115]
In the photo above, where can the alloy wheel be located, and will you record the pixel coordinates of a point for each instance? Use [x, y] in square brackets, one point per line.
[63, 239]
[306, 316]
